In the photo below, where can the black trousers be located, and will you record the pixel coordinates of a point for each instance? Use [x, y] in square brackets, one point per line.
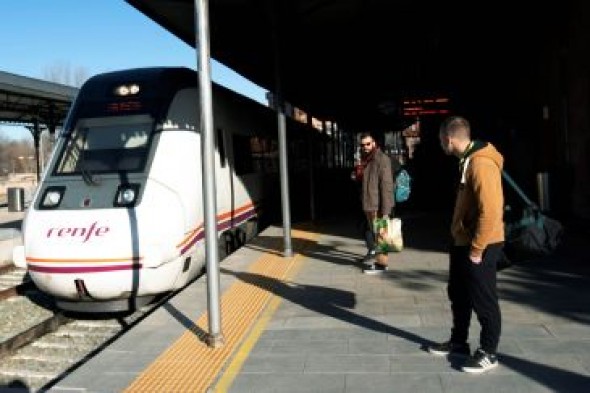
[369, 234]
[472, 287]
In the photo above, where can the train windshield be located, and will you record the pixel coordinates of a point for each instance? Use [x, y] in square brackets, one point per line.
[103, 145]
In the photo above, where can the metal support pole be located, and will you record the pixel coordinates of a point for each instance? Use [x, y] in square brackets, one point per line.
[324, 144]
[215, 337]
[311, 144]
[339, 141]
[36, 137]
[288, 252]
[282, 125]
[543, 191]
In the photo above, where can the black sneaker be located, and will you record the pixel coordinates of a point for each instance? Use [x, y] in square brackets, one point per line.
[375, 268]
[449, 347]
[480, 362]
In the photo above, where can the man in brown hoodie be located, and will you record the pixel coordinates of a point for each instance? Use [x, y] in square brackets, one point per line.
[477, 231]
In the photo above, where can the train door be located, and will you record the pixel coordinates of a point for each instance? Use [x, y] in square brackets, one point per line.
[225, 200]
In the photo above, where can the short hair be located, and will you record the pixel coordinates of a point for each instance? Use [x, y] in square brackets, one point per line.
[366, 134]
[456, 126]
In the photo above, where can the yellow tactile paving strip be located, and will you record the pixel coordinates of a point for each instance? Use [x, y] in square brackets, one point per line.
[189, 364]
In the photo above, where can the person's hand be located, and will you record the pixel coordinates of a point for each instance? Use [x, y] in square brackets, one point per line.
[475, 259]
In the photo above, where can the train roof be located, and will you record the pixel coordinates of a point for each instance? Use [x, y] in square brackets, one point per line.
[158, 80]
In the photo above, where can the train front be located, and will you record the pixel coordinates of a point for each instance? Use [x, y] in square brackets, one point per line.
[102, 234]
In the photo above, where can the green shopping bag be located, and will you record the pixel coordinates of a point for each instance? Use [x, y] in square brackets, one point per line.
[388, 234]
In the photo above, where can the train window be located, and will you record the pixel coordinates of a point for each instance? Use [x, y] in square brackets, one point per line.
[220, 142]
[298, 154]
[272, 157]
[255, 154]
[106, 145]
[265, 154]
[242, 155]
[258, 149]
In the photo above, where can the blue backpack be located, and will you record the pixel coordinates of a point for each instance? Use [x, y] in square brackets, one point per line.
[403, 186]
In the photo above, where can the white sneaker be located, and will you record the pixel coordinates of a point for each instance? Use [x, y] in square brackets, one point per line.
[480, 362]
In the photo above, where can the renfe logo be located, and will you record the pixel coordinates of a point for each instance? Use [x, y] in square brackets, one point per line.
[84, 233]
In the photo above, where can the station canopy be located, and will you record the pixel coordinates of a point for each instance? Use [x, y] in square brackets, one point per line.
[355, 61]
[24, 101]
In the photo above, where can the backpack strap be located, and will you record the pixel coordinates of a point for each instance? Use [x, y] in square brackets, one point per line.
[464, 165]
[520, 193]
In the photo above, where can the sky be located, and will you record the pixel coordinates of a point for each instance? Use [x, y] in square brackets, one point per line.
[95, 36]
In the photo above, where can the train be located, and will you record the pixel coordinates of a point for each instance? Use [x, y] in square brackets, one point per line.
[117, 218]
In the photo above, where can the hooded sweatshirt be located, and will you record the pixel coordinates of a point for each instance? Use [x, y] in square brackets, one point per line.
[479, 207]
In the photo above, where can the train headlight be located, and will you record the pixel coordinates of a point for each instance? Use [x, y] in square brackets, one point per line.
[127, 90]
[52, 197]
[126, 195]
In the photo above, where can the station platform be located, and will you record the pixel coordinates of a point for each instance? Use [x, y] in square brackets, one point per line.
[315, 323]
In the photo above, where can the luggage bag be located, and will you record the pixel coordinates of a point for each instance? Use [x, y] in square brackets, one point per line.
[533, 234]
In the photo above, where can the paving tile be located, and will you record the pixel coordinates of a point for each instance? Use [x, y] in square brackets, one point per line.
[378, 383]
[288, 383]
[569, 330]
[274, 363]
[492, 382]
[555, 346]
[308, 347]
[421, 363]
[512, 329]
[347, 364]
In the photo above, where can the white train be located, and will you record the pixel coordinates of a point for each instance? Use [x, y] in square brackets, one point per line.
[118, 215]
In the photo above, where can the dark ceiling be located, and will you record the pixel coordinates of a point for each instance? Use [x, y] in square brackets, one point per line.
[346, 59]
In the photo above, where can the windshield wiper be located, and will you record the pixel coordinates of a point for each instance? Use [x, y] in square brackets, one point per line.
[87, 175]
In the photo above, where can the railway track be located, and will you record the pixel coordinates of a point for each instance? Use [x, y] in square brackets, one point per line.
[17, 290]
[14, 282]
[39, 344]
[56, 346]
[11, 276]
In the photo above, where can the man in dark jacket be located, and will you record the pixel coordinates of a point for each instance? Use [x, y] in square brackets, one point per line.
[477, 231]
[377, 182]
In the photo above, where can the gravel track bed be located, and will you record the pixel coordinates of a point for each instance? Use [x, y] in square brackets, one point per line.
[55, 354]
[19, 314]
